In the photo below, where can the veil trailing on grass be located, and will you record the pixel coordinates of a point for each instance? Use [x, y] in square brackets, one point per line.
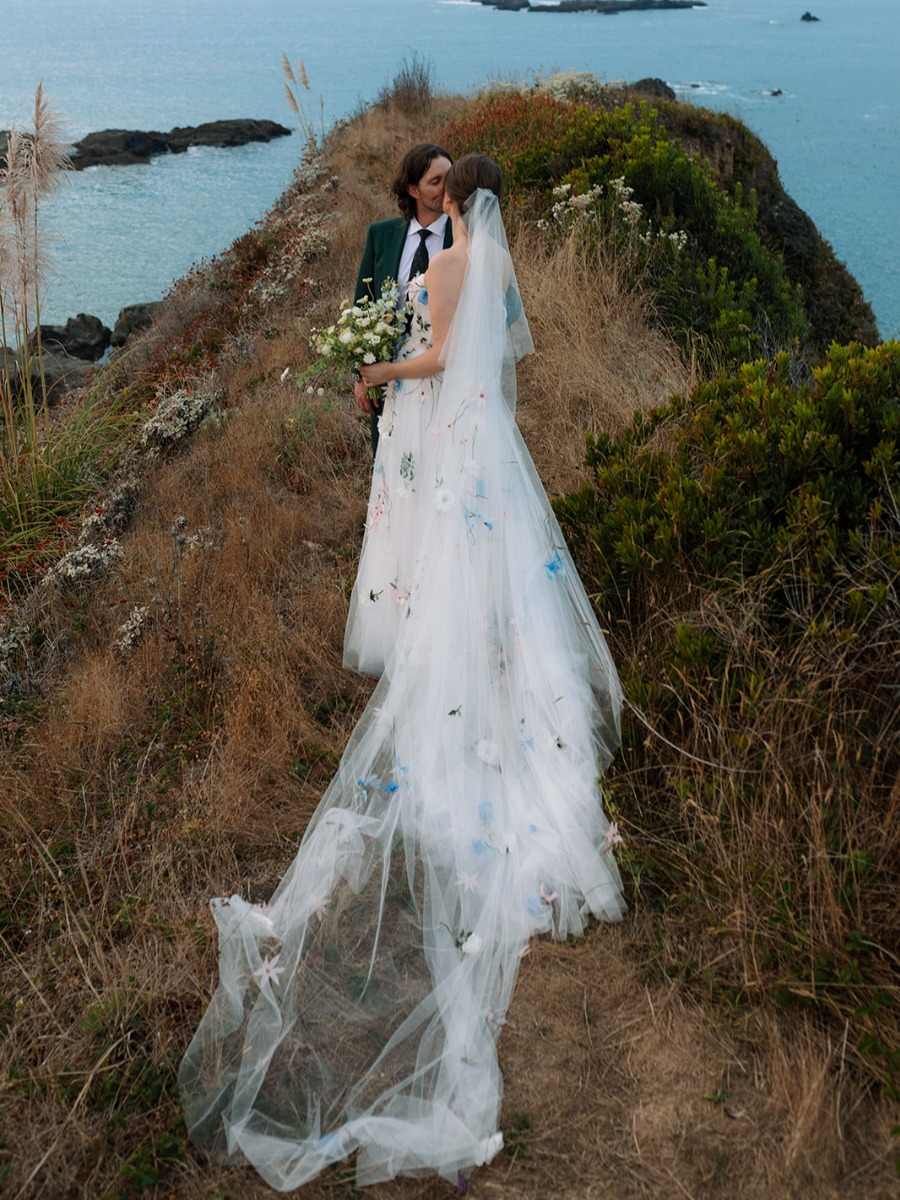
[358, 1012]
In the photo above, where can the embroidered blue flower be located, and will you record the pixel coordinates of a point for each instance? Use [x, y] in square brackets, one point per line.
[479, 847]
[554, 567]
[535, 907]
[331, 1145]
[532, 828]
[390, 787]
[485, 811]
[526, 743]
[423, 295]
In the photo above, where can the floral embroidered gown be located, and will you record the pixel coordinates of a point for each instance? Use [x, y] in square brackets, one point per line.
[358, 1012]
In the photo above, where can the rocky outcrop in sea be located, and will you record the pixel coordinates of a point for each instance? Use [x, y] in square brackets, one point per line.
[69, 352]
[610, 7]
[124, 147]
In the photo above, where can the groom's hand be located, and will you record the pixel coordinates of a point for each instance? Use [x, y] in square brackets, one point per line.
[363, 402]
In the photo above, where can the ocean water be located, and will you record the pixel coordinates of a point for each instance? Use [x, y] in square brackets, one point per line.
[122, 234]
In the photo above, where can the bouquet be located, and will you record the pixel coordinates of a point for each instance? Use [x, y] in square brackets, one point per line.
[365, 332]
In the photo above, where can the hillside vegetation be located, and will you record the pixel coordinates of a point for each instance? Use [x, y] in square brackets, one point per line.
[173, 700]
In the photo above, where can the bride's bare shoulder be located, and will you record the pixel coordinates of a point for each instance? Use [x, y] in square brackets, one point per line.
[446, 269]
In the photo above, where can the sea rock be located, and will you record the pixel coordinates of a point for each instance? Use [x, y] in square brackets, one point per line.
[657, 88]
[61, 373]
[807, 16]
[120, 147]
[224, 133]
[133, 318]
[83, 337]
[123, 147]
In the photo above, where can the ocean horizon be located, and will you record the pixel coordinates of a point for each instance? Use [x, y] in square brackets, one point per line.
[821, 95]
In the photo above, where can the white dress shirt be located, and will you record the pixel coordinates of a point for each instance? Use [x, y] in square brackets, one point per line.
[434, 242]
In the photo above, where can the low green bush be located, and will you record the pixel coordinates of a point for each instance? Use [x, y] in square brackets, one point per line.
[726, 296]
[742, 545]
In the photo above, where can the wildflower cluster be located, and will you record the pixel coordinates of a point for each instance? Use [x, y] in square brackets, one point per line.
[189, 542]
[130, 634]
[85, 564]
[176, 416]
[364, 333]
[572, 208]
[14, 641]
[300, 234]
[568, 209]
[580, 86]
[109, 518]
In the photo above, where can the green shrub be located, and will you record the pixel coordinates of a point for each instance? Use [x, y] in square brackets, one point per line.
[754, 474]
[726, 296]
[743, 547]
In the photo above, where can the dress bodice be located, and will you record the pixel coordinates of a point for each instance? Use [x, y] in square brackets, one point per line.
[418, 336]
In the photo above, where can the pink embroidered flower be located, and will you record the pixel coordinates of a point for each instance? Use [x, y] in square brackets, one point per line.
[269, 971]
[547, 897]
[613, 838]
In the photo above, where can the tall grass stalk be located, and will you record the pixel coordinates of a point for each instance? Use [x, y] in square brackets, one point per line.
[47, 466]
[35, 163]
[293, 82]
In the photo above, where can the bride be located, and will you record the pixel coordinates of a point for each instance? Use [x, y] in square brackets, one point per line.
[358, 1012]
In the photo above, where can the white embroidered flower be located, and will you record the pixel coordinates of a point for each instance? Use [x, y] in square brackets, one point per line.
[488, 752]
[368, 358]
[489, 1148]
[472, 945]
[444, 499]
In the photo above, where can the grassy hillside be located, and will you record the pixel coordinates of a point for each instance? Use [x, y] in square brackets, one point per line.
[174, 704]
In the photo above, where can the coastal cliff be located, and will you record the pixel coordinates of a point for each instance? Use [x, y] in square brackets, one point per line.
[172, 701]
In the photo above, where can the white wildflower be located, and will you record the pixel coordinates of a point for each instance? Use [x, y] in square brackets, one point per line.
[131, 633]
[85, 564]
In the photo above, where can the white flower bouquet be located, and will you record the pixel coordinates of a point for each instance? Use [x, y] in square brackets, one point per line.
[365, 332]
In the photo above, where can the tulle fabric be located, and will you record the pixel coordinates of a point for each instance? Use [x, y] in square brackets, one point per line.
[358, 1012]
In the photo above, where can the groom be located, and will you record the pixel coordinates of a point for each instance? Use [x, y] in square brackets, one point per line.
[400, 247]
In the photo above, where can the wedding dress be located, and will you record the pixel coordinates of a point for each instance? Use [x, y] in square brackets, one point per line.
[358, 1012]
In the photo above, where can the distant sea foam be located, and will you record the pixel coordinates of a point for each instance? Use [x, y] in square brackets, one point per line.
[122, 234]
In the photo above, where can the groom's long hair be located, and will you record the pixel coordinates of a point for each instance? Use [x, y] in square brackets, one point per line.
[413, 166]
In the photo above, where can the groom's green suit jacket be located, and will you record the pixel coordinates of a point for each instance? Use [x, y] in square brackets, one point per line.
[382, 253]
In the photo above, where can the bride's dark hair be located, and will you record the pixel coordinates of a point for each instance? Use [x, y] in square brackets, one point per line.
[468, 174]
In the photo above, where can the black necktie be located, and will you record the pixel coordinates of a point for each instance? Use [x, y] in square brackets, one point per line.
[420, 258]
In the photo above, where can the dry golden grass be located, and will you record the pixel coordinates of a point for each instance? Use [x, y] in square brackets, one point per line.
[598, 358]
[189, 769]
